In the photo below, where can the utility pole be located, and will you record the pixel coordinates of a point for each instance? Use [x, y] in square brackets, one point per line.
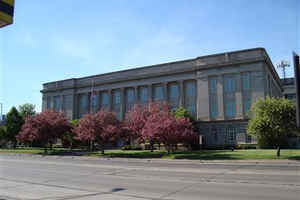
[283, 65]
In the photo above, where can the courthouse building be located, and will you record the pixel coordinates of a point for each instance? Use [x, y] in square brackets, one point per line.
[217, 89]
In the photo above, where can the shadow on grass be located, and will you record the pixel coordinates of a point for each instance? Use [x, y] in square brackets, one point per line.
[206, 155]
[142, 154]
[297, 158]
[64, 152]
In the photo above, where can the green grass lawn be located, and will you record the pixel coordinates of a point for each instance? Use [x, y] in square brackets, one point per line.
[251, 154]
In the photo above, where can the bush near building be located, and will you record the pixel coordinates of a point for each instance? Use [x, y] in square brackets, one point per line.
[272, 121]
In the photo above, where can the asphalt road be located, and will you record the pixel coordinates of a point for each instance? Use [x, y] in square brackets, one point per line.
[46, 178]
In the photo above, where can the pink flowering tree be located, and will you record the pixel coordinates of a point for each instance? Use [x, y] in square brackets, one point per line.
[102, 127]
[135, 121]
[45, 127]
[187, 132]
[153, 126]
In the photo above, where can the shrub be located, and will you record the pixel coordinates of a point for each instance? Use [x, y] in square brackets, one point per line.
[131, 147]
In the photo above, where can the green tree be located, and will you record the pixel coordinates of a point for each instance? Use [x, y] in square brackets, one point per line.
[272, 121]
[183, 113]
[68, 139]
[27, 109]
[14, 122]
[2, 135]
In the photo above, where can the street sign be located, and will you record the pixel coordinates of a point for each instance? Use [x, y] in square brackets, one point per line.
[6, 12]
[297, 83]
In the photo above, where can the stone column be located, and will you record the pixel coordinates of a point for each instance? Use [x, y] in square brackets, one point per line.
[202, 97]
[238, 97]
[61, 103]
[220, 97]
[181, 93]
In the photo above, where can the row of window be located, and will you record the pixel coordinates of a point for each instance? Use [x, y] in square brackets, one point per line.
[225, 134]
[229, 95]
[100, 100]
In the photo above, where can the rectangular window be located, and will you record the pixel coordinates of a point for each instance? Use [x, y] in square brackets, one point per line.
[57, 103]
[67, 106]
[246, 91]
[229, 96]
[231, 135]
[83, 105]
[143, 96]
[104, 101]
[158, 93]
[129, 92]
[190, 97]
[173, 96]
[48, 103]
[94, 97]
[116, 103]
[213, 98]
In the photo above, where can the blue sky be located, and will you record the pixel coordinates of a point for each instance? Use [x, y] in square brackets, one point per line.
[54, 40]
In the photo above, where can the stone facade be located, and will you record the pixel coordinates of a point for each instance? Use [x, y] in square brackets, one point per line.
[217, 89]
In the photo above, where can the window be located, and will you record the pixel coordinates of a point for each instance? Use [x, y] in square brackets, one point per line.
[231, 135]
[229, 96]
[48, 103]
[83, 105]
[67, 105]
[173, 96]
[246, 90]
[94, 101]
[213, 98]
[116, 105]
[158, 93]
[57, 103]
[143, 96]
[104, 101]
[129, 99]
[190, 97]
[214, 134]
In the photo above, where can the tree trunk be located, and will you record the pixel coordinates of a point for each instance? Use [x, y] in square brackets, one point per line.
[152, 147]
[278, 152]
[45, 150]
[71, 145]
[159, 146]
[102, 149]
[15, 145]
[91, 145]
